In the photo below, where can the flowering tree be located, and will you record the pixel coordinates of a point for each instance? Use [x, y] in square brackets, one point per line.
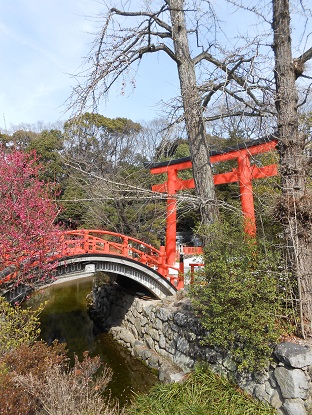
[29, 237]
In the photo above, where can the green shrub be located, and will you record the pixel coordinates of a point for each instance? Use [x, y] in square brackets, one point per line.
[17, 326]
[239, 297]
[202, 393]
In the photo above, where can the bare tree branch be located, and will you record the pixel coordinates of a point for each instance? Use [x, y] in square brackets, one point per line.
[151, 16]
[300, 61]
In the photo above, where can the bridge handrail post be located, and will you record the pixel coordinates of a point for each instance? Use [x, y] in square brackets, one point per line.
[143, 258]
[125, 247]
[86, 241]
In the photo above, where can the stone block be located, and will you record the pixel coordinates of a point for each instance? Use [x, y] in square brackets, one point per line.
[272, 380]
[292, 382]
[164, 373]
[127, 337]
[219, 370]
[154, 334]
[138, 325]
[164, 353]
[212, 356]
[153, 361]
[143, 321]
[261, 394]
[190, 336]
[138, 304]
[276, 400]
[261, 376]
[268, 388]
[246, 382]
[164, 314]
[197, 352]
[294, 407]
[183, 345]
[158, 325]
[177, 377]
[174, 328]
[180, 319]
[149, 342]
[138, 351]
[162, 341]
[229, 364]
[294, 355]
[172, 347]
[146, 354]
[183, 361]
[138, 343]
[167, 331]
[133, 330]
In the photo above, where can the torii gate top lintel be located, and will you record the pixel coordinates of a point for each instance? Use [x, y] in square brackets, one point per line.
[252, 147]
[243, 174]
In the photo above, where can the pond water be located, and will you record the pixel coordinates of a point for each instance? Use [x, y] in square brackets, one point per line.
[65, 319]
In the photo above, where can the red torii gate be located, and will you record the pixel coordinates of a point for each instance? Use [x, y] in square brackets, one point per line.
[243, 174]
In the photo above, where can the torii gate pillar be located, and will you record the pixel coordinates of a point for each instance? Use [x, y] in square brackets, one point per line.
[244, 175]
[171, 224]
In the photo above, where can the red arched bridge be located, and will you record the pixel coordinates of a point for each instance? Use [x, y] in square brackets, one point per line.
[121, 256]
[127, 259]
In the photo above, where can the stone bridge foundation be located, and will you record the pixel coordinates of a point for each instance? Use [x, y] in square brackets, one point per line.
[166, 335]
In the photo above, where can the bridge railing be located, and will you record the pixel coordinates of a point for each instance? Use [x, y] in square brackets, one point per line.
[80, 242]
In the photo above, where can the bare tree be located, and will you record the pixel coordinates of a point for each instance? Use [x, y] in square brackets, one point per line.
[127, 36]
[295, 206]
[193, 112]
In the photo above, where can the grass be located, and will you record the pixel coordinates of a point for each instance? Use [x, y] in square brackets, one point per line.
[202, 393]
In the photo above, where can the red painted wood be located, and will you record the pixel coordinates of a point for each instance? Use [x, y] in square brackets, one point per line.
[243, 174]
[246, 194]
[171, 229]
[104, 242]
[79, 242]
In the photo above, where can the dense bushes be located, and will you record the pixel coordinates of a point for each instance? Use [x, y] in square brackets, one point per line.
[61, 390]
[25, 360]
[239, 297]
[37, 379]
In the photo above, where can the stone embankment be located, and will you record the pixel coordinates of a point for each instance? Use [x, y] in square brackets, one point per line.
[166, 335]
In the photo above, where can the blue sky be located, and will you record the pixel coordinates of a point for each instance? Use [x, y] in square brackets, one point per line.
[43, 42]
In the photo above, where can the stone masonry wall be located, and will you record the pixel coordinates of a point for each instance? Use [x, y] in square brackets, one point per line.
[166, 335]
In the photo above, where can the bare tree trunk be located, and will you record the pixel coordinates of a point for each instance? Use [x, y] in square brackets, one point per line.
[295, 205]
[193, 114]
